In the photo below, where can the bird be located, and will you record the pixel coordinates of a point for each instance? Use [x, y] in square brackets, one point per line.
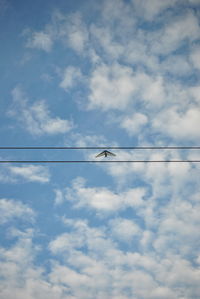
[105, 154]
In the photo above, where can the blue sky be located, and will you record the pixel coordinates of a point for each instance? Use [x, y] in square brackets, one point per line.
[97, 73]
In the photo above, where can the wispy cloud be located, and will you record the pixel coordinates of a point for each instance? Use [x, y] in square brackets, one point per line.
[70, 30]
[31, 173]
[36, 118]
[13, 209]
[173, 35]
[76, 33]
[134, 123]
[40, 40]
[25, 173]
[71, 76]
[59, 198]
[150, 9]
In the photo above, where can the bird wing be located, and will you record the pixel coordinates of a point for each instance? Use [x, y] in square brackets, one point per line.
[101, 154]
[110, 154]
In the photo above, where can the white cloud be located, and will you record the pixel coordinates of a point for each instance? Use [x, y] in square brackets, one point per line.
[76, 40]
[153, 89]
[118, 87]
[87, 263]
[137, 52]
[174, 34]
[36, 118]
[20, 277]
[77, 33]
[178, 227]
[135, 74]
[112, 87]
[65, 242]
[107, 34]
[70, 77]
[124, 229]
[162, 179]
[177, 65]
[81, 234]
[73, 279]
[70, 30]
[153, 274]
[105, 39]
[102, 199]
[13, 209]
[117, 12]
[149, 9]
[179, 125]
[134, 123]
[195, 58]
[40, 40]
[31, 173]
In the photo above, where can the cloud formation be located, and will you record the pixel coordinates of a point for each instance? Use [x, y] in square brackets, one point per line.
[36, 118]
[27, 173]
[130, 72]
[102, 199]
[139, 60]
[70, 77]
[11, 209]
[40, 40]
[31, 173]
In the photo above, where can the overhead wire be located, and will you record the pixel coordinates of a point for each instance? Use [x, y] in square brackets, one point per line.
[96, 147]
[99, 147]
[99, 161]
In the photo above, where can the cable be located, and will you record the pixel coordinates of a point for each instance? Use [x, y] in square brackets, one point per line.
[101, 161]
[94, 147]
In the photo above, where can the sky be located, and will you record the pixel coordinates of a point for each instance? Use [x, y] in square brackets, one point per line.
[100, 73]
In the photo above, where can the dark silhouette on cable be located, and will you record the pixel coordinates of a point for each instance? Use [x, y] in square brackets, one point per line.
[105, 154]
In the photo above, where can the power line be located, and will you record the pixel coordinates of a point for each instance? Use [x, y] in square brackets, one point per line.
[96, 147]
[100, 161]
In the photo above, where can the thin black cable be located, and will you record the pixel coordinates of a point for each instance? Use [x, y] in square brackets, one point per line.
[93, 147]
[100, 161]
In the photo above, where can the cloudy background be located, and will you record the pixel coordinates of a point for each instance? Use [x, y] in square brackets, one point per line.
[97, 73]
